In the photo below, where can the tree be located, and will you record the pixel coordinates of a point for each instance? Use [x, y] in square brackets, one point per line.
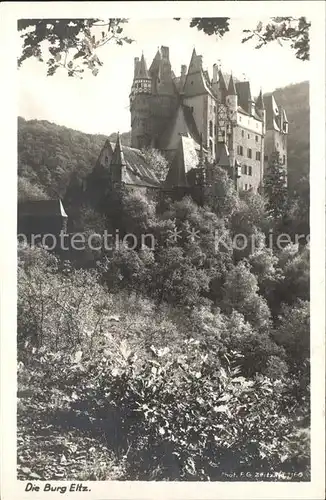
[221, 195]
[29, 191]
[293, 333]
[72, 43]
[281, 29]
[275, 187]
[241, 293]
[157, 162]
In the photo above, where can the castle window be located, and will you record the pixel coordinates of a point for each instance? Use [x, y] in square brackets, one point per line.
[210, 128]
[242, 133]
[258, 155]
[211, 146]
[249, 153]
[250, 170]
[248, 136]
[256, 138]
[246, 187]
[240, 150]
[245, 169]
[215, 129]
[250, 186]
[266, 158]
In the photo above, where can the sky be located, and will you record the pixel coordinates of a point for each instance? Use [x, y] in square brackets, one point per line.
[101, 104]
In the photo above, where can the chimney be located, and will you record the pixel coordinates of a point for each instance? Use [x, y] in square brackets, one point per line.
[136, 61]
[165, 52]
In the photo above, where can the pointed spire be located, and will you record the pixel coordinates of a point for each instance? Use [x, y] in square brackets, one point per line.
[193, 62]
[142, 71]
[105, 155]
[118, 156]
[260, 101]
[221, 80]
[156, 62]
[231, 89]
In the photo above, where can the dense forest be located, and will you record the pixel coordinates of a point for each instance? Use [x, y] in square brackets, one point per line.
[49, 153]
[184, 359]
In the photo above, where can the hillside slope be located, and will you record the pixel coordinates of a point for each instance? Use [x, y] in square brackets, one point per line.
[49, 153]
[295, 99]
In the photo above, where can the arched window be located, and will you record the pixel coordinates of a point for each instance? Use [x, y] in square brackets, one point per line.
[211, 128]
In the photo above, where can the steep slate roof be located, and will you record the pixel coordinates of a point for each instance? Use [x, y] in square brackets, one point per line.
[222, 81]
[106, 152]
[154, 67]
[137, 171]
[41, 208]
[260, 101]
[184, 160]
[142, 68]
[244, 94]
[118, 156]
[231, 87]
[272, 112]
[183, 124]
[196, 82]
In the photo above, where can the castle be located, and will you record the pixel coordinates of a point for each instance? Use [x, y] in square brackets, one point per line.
[192, 116]
[197, 123]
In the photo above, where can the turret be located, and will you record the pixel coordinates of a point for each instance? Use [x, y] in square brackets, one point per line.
[142, 81]
[260, 109]
[139, 104]
[232, 99]
[118, 164]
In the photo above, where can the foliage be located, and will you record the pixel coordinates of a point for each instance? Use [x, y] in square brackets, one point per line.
[28, 191]
[155, 392]
[294, 31]
[284, 29]
[51, 156]
[275, 186]
[240, 292]
[72, 43]
[292, 332]
[221, 194]
[158, 163]
[295, 99]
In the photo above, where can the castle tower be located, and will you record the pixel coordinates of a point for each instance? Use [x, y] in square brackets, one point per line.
[260, 109]
[232, 100]
[198, 95]
[164, 100]
[140, 105]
